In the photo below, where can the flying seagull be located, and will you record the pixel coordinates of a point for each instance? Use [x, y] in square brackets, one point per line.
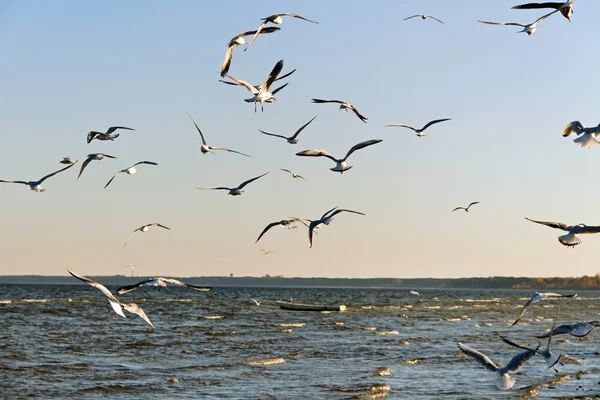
[130, 171]
[579, 329]
[267, 252]
[274, 19]
[565, 8]
[341, 165]
[571, 239]
[36, 186]
[90, 158]
[326, 219]
[293, 174]
[257, 87]
[144, 228]
[237, 190]
[529, 28]
[537, 296]
[419, 132]
[67, 160]
[161, 283]
[424, 17]
[205, 148]
[256, 302]
[504, 381]
[466, 209]
[343, 106]
[239, 40]
[588, 139]
[286, 223]
[294, 138]
[108, 135]
[115, 303]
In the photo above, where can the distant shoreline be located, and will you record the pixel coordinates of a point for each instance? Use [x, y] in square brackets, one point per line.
[523, 283]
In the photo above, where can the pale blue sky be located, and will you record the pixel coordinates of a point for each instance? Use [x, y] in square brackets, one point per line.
[69, 67]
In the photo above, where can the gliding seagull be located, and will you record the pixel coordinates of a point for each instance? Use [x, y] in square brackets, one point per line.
[205, 148]
[237, 190]
[537, 296]
[130, 171]
[579, 329]
[144, 228]
[571, 239]
[341, 165]
[286, 223]
[326, 219]
[466, 209]
[588, 139]
[36, 186]
[267, 252]
[274, 19]
[566, 8]
[108, 135]
[419, 132]
[424, 17]
[67, 160]
[161, 283]
[528, 28]
[294, 138]
[239, 40]
[90, 158]
[293, 174]
[343, 106]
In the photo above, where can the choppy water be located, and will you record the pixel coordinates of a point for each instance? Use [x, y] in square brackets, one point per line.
[58, 341]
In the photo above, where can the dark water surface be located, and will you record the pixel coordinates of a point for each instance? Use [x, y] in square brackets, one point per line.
[59, 341]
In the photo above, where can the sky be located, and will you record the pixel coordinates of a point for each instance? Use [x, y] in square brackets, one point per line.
[69, 67]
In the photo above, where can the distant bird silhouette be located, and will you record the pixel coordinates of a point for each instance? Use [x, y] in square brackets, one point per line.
[527, 28]
[466, 209]
[205, 148]
[130, 171]
[145, 228]
[340, 163]
[108, 135]
[36, 186]
[292, 139]
[237, 190]
[274, 19]
[419, 132]
[90, 158]
[295, 176]
[267, 252]
[239, 40]
[343, 106]
[424, 17]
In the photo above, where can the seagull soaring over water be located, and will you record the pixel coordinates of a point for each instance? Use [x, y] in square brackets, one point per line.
[537, 296]
[286, 223]
[115, 303]
[466, 209]
[294, 138]
[504, 380]
[159, 283]
[144, 228]
[419, 132]
[424, 17]
[565, 8]
[295, 176]
[90, 158]
[237, 190]
[340, 164]
[326, 219]
[571, 239]
[130, 171]
[36, 186]
[588, 139]
[274, 19]
[239, 40]
[343, 106]
[205, 148]
[108, 135]
[528, 28]
[579, 329]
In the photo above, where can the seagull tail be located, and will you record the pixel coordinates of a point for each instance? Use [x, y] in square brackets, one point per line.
[586, 141]
[569, 240]
[505, 381]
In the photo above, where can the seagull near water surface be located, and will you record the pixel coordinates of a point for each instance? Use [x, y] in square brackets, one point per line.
[205, 148]
[588, 135]
[578, 329]
[343, 106]
[236, 191]
[292, 139]
[467, 208]
[570, 239]
[419, 132]
[274, 19]
[108, 135]
[160, 282]
[539, 296]
[527, 28]
[36, 186]
[145, 228]
[90, 158]
[240, 40]
[423, 17]
[130, 171]
[341, 165]
[565, 8]
[326, 219]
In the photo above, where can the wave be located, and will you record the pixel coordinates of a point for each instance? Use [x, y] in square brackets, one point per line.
[267, 361]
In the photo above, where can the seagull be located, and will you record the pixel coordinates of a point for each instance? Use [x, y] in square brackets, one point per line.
[257, 87]
[90, 158]
[130, 171]
[256, 302]
[326, 219]
[571, 239]
[504, 381]
[343, 106]
[36, 186]
[293, 174]
[239, 40]
[579, 329]
[115, 303]
[529, 28]
[566, 8]
[286, 223]
[262, 94]
[267, 252]
[161, 283]
[292, 139]
[588, 139]
[419, 132]
[237, 190]
[537, 296]
[274, 19]
[144, 228]
[67, 160]
[205, 148]
[466, 209]
[424, 17]
[108, 135]
[341, 165]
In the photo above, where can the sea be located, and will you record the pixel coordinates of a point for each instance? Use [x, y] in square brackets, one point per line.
[60, 341]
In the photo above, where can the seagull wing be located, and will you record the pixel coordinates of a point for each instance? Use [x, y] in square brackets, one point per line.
[403, 126]
[414, 16]
[543, 17]
[434, 122]
[473, 203]
[459, 208]
[300, 220]
[215, 188]
[589, 229]
[361, 145]
[505, 340]
[303, 126]
[480, 357]
[298, 16]
[529, 302]
[114, 128]
[556, 225]
[328, 212]
[260, 28]
[272, 76]
[56, 172]
[198, 129]
[272, 134]
[287, 170]
[502, 23]
[251, 180]
[132, 233]
[227, 62]
[129, 288]
[229, 83]
[5, 181]
[97, 285]
[342, 210]
[135, 309]
[111, 179]
[558, 331]
[286, 75]
[274, 92]
[319, 101]
[91, 135]
[229, 150]
[85, 164]
[272, 224]
[432, 17]
[530, 6]
[520, 359]
[248, 86]
[162, 226]
[311, 228]
[316, 153]
[575, 127]
[106, 155]
[187, 285]
[362, 118]
[144, 162]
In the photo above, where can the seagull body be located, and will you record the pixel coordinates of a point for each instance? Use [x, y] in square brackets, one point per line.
[67, 160]
[205, 148]
[528, 28]
[466, 209]
[295, 176]
[115, 303]
[36, 186]
[274, 19]
[424, 17]
[537, 296]
[108, 135]
[579, 329]
[504, 380]
[240, 40]
[90, 158]
[419, 132]
[340, 164]
[144, 228]
[159, 283]
[326, 219]
[130, 171]
[566, 8]
[588, 135]
[343, 106]
[294, 138]
[262, 94]
[571, 239]
[237, 190]
[286, 223]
